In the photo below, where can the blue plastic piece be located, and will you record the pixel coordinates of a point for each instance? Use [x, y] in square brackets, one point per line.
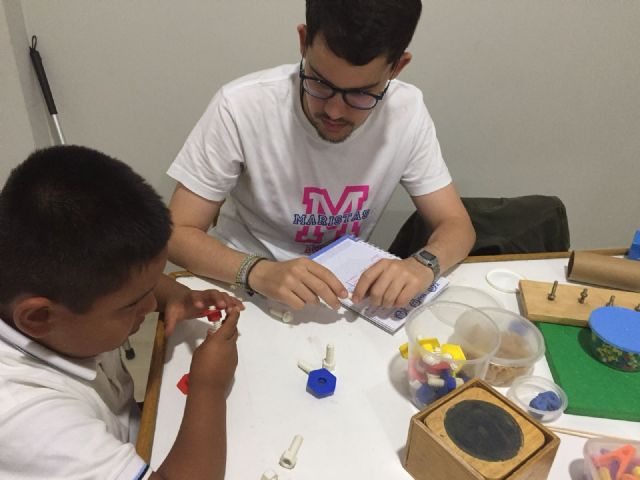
[634, 250]
[547, 401]
[426, 394]
[449, 381]
[321, 383]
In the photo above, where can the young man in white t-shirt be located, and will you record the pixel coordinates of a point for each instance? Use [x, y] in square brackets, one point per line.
[302, 154]
[82, 249]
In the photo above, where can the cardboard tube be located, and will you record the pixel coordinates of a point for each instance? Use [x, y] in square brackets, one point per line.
[605, 271]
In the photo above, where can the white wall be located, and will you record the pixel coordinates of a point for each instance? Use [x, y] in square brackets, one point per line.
[528, 97]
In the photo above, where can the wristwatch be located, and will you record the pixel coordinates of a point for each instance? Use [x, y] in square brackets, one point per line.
[429, 260]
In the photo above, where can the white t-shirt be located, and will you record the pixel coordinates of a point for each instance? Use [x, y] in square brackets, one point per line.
[288, 191]
[63, 418]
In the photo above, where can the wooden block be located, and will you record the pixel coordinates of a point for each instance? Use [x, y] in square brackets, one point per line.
[432, 454]
[566, 308]
[532, 439]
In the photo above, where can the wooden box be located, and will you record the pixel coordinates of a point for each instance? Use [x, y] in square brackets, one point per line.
[476, 433]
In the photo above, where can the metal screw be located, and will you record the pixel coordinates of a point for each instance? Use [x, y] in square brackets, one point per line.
[552, 295]
[611, 300]
[583, 295]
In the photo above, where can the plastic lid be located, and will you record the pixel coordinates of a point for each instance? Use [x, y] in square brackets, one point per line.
[473, 297]
[618, 326]
[503, 280]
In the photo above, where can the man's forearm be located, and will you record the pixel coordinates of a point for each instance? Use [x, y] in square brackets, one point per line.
[451, 241]
[202, 254]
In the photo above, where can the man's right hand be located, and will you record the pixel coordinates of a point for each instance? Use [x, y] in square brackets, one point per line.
[297, 283]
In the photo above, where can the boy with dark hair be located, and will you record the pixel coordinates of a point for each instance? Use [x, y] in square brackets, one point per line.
[302, 154]
[83, 244]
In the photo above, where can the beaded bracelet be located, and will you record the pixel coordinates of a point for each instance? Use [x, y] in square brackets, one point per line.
[245, 267]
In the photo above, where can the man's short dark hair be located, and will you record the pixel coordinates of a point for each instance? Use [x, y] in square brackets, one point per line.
[74, 223]
[361, 30]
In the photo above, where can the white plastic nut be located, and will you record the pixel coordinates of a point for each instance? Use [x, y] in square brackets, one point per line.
[269, 475]
[285, 315]
[329, 360]
[290, 455]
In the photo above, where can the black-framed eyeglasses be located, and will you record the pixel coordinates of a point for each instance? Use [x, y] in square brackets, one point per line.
[354, 97]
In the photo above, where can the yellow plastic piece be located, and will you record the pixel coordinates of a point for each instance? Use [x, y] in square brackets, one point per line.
[636, 472]
[604, 474]
[429, 344]
[454, 350]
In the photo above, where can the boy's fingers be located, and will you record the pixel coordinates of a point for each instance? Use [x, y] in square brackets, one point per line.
[230, 324]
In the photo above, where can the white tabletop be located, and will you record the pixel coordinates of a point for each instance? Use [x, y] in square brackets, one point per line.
[359, 432]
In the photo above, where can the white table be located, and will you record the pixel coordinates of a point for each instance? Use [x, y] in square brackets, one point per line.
[360, 431]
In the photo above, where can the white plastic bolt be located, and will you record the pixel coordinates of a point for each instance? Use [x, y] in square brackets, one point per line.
[415, 384]
[437, 382]
[285, 315]
[269, 475]
[290, 455]
[329, 360]
[305, 367]
[431, 359]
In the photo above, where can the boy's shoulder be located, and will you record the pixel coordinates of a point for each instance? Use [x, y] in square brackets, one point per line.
[29, 370]
[50, 405]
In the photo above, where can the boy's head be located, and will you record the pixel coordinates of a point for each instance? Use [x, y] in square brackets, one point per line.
[76, 227]
[360, 30]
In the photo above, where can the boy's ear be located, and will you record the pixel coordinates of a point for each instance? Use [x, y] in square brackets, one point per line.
[34, 316]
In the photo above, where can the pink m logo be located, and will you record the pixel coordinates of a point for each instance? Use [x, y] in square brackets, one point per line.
[322, 215]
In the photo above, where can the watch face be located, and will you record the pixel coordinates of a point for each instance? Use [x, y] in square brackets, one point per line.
[426, 255]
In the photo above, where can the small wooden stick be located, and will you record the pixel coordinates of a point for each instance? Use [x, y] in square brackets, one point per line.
[585, 434]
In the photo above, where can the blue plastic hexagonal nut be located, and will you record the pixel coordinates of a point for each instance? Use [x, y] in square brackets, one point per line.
[321, 383]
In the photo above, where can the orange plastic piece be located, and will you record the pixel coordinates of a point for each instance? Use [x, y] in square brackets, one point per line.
[622, 455]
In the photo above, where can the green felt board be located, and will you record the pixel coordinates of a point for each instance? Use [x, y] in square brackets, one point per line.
[593, 389]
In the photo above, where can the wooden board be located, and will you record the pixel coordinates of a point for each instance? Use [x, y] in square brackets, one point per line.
[533, 438]
[566, 308]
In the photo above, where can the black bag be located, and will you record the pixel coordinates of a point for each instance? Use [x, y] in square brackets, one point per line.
[529, 224]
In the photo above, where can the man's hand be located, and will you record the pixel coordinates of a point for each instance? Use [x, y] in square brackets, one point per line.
[190, 304]
[392, 283]
[297, 282]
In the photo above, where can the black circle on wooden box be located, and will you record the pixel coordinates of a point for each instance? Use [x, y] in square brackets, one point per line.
[483, 430]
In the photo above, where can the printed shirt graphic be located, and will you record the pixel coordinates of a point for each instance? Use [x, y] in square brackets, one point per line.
[324, 220]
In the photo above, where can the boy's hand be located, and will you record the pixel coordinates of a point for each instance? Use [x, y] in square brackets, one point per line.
[191, 303]
[214, 361]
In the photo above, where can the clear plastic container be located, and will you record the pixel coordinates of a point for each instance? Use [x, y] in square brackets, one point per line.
[438, 333]
[611, 458]
[521, 346]
[525, 389]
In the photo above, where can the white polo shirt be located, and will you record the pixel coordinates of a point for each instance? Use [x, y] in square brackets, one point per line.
[65, 418]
